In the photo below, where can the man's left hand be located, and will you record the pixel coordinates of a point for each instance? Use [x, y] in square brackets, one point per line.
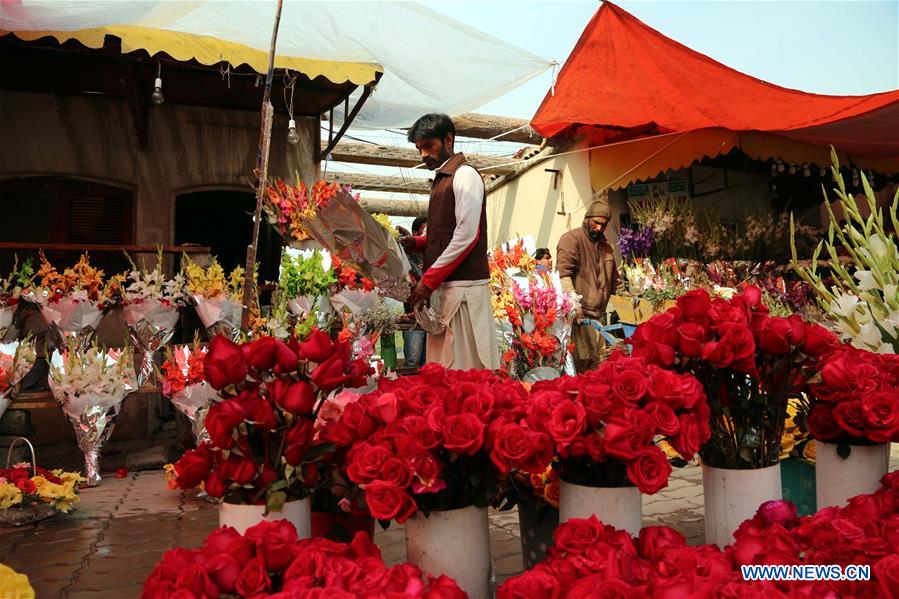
[420, 294]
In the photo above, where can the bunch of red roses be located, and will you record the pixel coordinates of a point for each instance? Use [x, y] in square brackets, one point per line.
[261, 433]
[748, 362]
[440, 440]
[857, 399]
[604, 424]
[269, 561]
[590, 559]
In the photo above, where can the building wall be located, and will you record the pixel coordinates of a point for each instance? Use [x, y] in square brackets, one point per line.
[188, 149]
[531, 204]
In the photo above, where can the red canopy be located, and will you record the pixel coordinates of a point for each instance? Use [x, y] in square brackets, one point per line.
[628, 80]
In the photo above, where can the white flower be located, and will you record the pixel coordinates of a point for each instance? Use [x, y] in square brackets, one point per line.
[845, 305]
[866, 281]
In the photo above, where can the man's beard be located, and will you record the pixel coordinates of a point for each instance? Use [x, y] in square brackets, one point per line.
[594, 235]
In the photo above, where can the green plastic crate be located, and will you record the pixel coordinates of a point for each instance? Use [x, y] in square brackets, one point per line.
[797, 478]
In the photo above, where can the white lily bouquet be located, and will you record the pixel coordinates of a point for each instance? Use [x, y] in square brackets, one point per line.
[90, 384]
[151, 311]
[217, 297]
[864, 297]
[16, 360]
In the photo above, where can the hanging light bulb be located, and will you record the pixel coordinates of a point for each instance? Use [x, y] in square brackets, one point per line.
[156, 96]
[773, 169]
[292, 135]
[806, 171]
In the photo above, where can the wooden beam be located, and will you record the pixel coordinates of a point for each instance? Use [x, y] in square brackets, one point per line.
[101, 248]
[363, 182]
[395, 207]
[486, 126]
[358, 153]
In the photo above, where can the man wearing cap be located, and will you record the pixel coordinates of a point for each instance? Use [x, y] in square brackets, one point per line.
[586, 264]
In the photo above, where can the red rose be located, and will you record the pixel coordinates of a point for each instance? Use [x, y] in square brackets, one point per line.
[538, 582]
[240, 469]
[655, 541]
[777, 512]
[193, 467]
[463, 434]
[296, 397]
[717, 354]
[576, 535]
[480, 404]
[317, 347]
[819, 341]
[365, 461]
[513, 446]
[386, 501]
[692, 336]
[299, 438]
[385, 407]
[443, 587]
[353, 424]
[693, 433]
[227, 540]
[886, 573]
[663, 418]
[222, 419]
[882, 416]
[797, 330]
[774, 336]
[262, 414]
[224, 571]
[330, 374]
[274, 542]
[649, 470]
[260, 354]
[739, 340]
[752, 295]
[193, 578]
[27, 486]
[623, 440]
[695, 305]
[837, 372]
[567, 420]
[822, 423]
[286, 358]
[426, 469]
[396, 471]
[253, 579]
[630, 386]
[224, 363]
[401, 579]
[215, 483]
[851, 416]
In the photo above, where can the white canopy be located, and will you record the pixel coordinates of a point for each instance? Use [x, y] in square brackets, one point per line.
[431, 62]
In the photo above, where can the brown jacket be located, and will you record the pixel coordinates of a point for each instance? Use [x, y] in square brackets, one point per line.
[442, 225]
[592, 266]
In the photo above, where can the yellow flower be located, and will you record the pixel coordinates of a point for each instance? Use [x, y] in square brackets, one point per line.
[10, 495]
[14, 585]
[69, 476]
[62, 496]
[809, 452]
[786, 445]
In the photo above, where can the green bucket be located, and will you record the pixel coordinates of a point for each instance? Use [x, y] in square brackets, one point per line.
[797, 478]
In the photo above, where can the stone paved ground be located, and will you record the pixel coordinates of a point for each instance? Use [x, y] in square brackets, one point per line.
[108, 546]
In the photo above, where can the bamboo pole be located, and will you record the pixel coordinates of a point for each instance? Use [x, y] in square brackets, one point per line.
[261, 172]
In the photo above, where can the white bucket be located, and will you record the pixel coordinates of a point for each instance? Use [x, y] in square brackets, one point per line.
[837, 479]
[732, 496]
[621, 507]
[455, 543]
[242, 517]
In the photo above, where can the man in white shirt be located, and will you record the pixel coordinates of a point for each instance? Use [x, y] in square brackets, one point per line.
[455, 252]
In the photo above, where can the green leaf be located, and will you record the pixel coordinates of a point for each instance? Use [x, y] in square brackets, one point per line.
[844, 450]
[274, 501]
[278, 485]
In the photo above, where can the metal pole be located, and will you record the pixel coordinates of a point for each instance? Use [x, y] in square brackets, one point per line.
[261, 172]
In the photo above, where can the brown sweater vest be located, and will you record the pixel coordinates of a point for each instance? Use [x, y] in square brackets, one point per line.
[442, 224]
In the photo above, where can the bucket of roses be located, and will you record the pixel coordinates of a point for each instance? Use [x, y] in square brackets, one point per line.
[16, 360]
[433, 451]
[750, 364]
[90, 384]
[260, 457]
[29, 493]
[854, 417]
[605, 426]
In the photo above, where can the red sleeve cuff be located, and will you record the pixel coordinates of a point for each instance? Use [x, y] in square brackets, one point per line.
[420, 242]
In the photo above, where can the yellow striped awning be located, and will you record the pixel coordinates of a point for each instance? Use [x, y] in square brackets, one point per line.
[208, 50]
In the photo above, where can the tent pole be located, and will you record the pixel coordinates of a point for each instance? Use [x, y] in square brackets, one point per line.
[261, 172]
